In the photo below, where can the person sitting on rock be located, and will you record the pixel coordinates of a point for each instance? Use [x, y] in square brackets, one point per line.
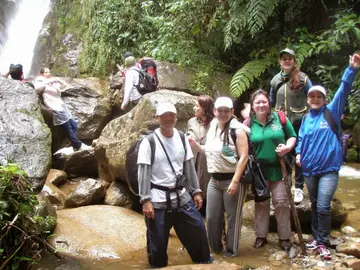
[168, 198]
[50, 88]
[131, 94]
[16, 73]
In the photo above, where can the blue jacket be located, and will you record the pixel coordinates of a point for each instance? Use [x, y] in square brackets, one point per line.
[319, 149]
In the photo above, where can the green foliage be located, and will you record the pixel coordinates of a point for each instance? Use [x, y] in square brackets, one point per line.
[20, 227]
[245, 76]
[352, 155]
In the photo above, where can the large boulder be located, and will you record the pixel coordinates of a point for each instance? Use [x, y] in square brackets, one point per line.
[89, 104]
[88, 192]
[98, 231]
[25, 139]
[121, 133]
[118, 194]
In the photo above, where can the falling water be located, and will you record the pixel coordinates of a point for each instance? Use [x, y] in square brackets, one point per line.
[349, 172]
[22, 34]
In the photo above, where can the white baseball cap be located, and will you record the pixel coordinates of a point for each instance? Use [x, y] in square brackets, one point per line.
[223, 102]
[165, 107]
[318, 88]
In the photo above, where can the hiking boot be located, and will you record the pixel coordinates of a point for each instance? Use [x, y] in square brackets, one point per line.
[298, 195]
[312, 244]
[260, 242]
[285, 245]
[324, 252]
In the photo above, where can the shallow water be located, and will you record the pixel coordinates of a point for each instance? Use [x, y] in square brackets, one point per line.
[348, 191]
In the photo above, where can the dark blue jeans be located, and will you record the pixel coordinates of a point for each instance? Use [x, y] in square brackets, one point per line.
[321, 191]
[189, 227]
[71, 128]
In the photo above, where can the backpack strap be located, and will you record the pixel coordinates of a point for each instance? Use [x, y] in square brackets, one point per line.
[151, 139]
[334, 127]
[282, 118]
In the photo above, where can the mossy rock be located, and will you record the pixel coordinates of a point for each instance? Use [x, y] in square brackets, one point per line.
[352, 155]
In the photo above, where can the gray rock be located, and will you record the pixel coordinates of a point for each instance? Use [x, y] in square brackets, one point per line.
[118, 194]
[349, 248]
[57, 177]
[25, 139]
[121, 133]
[78, 163]
[88, 192]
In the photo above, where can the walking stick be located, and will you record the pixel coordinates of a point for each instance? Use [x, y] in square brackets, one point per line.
[292, 205]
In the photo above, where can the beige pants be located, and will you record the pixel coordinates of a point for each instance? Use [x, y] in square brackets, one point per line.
[282, 212]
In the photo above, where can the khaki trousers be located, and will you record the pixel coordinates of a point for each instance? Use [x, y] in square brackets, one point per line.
[281, 204]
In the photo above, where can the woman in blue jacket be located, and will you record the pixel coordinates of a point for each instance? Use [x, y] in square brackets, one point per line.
[320, 156]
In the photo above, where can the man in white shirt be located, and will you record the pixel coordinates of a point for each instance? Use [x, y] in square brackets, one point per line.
[168, 198]
[131, 94]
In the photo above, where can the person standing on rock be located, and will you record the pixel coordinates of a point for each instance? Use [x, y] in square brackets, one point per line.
[169, 192]
[226, 151]
[131, 94]
[197, 129]
[319, 154]
[270, 139]
[49, 89]
[288, 93]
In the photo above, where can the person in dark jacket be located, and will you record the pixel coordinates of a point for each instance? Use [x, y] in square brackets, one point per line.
[319, 154]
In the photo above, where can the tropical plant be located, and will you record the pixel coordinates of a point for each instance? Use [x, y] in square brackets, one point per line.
[21, 229]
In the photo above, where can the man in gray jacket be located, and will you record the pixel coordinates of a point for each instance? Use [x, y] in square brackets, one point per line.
[169, 192]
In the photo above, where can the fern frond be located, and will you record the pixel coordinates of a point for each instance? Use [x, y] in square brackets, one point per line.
[245, 76]
[302, 51]
[236, 23]
[258, 12]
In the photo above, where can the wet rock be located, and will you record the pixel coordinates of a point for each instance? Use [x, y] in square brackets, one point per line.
[45, 209]
[349, 248]
[78, 163]
[25, 139]
[349, 206]
[56, 177]
[348, 230]
[88, 192]
[121, 133]
[353, 219]
[99, 231]
[118, 194]
[353, 264]
[54, 194]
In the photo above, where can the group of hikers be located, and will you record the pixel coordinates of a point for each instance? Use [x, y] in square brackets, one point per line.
[204, 169]
[182, 178]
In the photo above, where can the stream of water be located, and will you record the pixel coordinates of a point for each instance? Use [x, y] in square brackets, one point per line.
[348, 192]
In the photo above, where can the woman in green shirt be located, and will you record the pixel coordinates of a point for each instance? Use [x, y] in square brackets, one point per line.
[270, 140]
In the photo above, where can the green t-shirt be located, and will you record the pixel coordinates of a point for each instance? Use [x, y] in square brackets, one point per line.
[265, 140]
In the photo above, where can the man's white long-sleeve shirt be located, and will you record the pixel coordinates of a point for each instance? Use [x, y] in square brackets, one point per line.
[130, 91]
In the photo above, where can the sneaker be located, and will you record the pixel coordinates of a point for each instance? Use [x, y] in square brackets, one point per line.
[285, 245]
[312, 244]
[260, 242]
[298, 196]
[324, 252]
[83, 146]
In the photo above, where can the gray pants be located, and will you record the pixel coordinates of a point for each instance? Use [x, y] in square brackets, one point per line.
[281, 204]
[218, 203]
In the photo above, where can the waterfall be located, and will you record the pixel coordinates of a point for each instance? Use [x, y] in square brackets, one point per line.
[22, 34]
[349, 172]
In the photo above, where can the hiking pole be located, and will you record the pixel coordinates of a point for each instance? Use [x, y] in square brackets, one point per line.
[292, 205]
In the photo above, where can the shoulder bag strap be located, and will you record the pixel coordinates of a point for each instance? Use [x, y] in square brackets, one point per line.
[167, 156]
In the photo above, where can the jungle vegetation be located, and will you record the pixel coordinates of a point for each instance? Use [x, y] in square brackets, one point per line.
[239, 37]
